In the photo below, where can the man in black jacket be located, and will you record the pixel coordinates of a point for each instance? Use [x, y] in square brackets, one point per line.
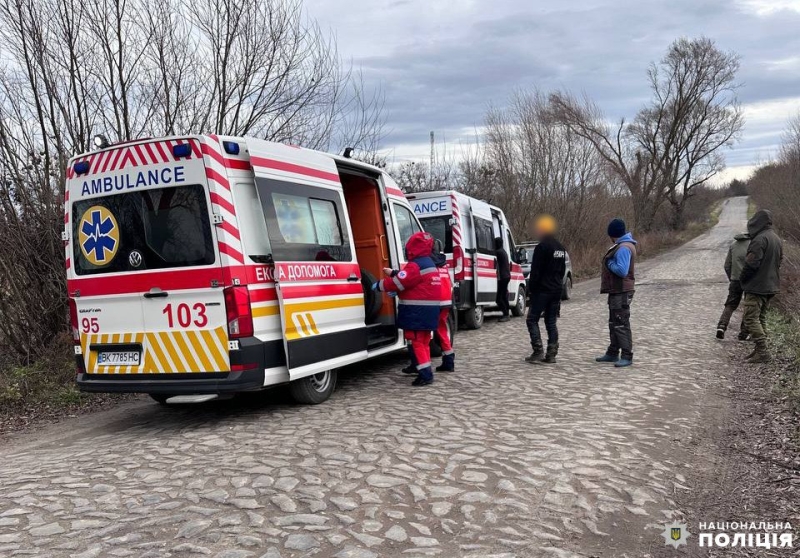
[503, 278]
[760, 279]
[545, 285]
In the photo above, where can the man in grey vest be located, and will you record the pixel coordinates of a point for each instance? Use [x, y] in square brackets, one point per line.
[617, 279]
[760, 279]
[734, 262]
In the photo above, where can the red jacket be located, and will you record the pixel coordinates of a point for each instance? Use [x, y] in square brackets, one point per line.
[446, 298]
[418, 286]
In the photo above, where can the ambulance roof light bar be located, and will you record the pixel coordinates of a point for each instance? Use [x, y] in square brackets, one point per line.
[81, 167]
[100, 141]
[182, 150]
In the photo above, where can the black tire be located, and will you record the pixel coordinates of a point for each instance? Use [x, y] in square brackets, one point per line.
[473, 317]
[519, 306]
[314, 389]
[160, 398]
[566, 294]
[372, 300]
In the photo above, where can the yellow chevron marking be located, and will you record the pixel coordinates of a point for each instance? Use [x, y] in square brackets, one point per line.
[186, 353]
[154, 357]
[169, 346]
[202, 351]
[211, 343]
[302, 312]
[312, 323]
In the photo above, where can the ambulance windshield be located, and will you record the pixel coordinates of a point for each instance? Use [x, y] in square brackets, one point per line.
[441, 230]
[140, 230]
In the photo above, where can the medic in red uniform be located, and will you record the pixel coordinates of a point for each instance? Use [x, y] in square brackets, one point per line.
[445, 302]
[418, 287]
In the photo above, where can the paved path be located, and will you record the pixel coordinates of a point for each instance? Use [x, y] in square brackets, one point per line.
[498, 459]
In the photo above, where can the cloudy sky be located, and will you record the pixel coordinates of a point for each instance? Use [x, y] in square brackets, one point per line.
[441, 63]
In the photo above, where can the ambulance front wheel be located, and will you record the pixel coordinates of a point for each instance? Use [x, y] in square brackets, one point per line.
[314, 389]
[519, 307]
[473, 317]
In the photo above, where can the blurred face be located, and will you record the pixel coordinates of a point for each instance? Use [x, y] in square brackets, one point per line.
[543, 226]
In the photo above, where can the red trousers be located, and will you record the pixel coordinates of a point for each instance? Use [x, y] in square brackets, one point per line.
[420, 347]
[443, 332]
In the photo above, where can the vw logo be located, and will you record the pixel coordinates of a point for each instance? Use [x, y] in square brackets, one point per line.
[135, 258]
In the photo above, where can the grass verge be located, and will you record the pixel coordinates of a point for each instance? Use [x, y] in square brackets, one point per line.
[784, 333]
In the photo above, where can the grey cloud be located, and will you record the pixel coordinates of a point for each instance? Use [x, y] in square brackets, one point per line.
[446, 82]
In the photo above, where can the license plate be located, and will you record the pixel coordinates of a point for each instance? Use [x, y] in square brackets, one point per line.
[116, 358]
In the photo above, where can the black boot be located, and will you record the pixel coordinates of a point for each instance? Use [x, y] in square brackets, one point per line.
[536, 355]
[552, 353]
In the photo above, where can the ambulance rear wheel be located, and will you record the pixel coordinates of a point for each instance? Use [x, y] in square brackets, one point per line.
[519, 307]
[473, 318]
[314, 389]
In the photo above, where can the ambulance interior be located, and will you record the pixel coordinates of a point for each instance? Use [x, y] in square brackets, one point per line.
[365, 208]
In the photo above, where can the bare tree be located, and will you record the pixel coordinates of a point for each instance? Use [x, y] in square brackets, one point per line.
[674, 144]
[133, 68]
[540, 165]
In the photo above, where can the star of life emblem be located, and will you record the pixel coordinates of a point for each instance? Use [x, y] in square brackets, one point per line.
[675, 534]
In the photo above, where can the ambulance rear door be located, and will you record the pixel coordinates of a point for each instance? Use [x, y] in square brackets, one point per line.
[315, 268]
[145, 261]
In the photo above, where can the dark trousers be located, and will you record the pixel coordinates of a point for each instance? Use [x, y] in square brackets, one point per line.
[502, 295]
[547, 304]
[731, 304]
[619, 325]
[755, 315]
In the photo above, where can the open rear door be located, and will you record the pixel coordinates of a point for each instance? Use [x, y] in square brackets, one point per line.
[316, 272]
[484, 260]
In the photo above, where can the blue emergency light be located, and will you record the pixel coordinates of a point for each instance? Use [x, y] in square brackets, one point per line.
[81, 167]
[231, 147]
[182, 150]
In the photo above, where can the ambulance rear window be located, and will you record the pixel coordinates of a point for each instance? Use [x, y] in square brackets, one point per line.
[441, 230]
[140, 230]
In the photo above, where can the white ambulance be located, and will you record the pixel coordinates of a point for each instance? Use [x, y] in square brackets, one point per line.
[466, 228]
[199, 266]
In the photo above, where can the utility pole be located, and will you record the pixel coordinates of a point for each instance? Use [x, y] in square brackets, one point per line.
[433, 156]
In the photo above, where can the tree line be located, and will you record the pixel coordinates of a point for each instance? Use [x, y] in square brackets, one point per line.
[557, 152]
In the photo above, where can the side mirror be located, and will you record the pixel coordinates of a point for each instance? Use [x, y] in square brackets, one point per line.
[522, 256]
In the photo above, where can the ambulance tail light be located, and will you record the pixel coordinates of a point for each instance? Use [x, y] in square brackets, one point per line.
[237, 310]
[458, 263]
[73, 321]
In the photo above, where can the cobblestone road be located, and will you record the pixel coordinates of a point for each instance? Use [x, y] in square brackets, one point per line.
[498, 459]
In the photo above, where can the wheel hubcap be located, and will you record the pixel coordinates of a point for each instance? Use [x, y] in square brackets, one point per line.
[321, 381]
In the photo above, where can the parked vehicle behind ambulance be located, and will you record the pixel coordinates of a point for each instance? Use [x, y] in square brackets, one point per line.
[204, 265]
[466, 228]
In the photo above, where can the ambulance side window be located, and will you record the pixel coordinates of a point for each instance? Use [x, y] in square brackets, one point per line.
[406, 222]
[304, 223]
[484, 235]
[252, 226]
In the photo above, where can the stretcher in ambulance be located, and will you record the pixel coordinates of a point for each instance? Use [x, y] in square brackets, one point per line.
[201, 266]
[466, 227]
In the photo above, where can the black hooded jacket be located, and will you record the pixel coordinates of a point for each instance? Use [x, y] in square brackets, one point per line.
[761, 271]
[503, 264]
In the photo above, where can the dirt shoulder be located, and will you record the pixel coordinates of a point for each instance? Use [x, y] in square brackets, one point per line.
[745, 454]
